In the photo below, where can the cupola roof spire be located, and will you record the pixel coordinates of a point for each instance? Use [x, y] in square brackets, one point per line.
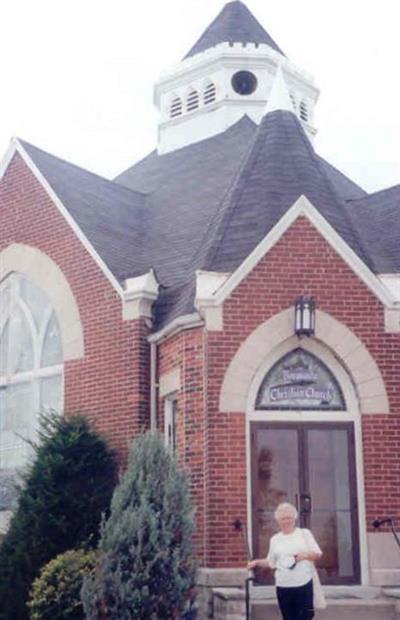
[235, 24]
[279, 98]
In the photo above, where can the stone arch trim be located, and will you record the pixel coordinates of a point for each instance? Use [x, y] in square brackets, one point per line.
[342, 342]
[47, 275]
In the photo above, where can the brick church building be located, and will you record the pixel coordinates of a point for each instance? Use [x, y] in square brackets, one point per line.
[232, 289]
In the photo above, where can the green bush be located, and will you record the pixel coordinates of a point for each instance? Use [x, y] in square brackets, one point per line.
[55, 593]
[146, 569]
[67, 488]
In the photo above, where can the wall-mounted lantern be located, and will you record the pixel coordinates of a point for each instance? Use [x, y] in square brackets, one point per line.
[304, 316]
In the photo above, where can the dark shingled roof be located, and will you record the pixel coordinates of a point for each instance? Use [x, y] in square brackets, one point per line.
[216, 199]
[184, 189]
[109, 215]
[280, 167]
[378, 216]
[235, 24]
[207, 205]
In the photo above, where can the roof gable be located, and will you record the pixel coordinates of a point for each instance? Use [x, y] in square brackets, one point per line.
[280, 167]
[105, 216]
[236, 24]
[303, 207]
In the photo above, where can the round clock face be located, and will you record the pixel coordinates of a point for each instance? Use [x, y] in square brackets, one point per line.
[244, 82]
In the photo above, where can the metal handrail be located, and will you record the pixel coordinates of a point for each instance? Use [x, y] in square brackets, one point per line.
[247, 596]
[389, 521]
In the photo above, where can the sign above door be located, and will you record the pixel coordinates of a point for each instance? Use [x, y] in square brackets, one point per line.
[299, 380]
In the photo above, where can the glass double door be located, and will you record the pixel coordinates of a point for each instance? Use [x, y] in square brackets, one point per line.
[311, 466]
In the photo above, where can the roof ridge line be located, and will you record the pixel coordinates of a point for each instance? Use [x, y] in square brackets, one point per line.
[260, 130]
[229, 189]
[373, 194]
[340, 201]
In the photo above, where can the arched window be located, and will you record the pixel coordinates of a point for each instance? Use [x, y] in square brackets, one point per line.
[31, 366]
[299, 380]
[175, 108]
[303, 111]
[192, 101]
[209, 94]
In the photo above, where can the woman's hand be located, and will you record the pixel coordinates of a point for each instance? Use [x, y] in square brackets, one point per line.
[251, 565]
[301, 556]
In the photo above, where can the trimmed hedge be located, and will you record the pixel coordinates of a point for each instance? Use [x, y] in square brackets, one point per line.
[55, 594]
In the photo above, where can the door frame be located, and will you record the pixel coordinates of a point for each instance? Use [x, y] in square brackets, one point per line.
[302, 428]
[351, 414]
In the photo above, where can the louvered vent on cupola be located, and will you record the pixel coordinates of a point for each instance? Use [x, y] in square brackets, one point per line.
[210, 93]
[176, 107]
[192, 101]
[303, 111]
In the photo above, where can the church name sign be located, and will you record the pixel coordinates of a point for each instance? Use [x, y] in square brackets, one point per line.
[300, 381]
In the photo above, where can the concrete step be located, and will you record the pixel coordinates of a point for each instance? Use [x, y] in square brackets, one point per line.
[377, 609]
[362, 603]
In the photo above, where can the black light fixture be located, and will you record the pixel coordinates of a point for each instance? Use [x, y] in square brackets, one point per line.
[304, 316]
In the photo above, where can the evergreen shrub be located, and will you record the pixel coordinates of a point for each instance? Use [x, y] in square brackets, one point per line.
[64, 493]
[55, 593]
[146, 568]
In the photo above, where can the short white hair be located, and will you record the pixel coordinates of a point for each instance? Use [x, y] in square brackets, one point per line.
[285, 508]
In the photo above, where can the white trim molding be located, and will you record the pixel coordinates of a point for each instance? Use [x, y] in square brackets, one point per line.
[139, 295]
[16, 147]
[47, 275]
[343, 343]
[392, 320]
[392, 283]
[181, 323]
[207, 285]
[392, 315]
[170, 382]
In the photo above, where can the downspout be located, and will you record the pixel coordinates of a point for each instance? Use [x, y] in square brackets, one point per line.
[153, 386]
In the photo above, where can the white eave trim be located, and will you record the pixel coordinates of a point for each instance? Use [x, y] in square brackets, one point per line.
[186, 321]
[392, 282]
[303, 207]
[139, 295]
[16, 147]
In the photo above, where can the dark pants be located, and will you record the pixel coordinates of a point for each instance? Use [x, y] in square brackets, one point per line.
[296, 603]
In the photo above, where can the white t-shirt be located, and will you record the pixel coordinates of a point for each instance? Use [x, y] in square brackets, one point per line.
[283, 548]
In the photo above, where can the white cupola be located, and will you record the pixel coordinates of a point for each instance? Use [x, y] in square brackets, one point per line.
[229, 72]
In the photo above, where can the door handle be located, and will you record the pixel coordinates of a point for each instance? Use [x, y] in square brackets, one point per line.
[305, 503]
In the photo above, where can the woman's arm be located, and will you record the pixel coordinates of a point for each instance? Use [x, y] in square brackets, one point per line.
[312, 557]
[313, 552]
[260, 563]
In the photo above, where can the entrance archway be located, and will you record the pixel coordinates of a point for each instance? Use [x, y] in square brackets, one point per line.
[351, 364]
[303, 420]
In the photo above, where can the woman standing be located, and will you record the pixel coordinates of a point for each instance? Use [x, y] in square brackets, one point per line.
[291, 554]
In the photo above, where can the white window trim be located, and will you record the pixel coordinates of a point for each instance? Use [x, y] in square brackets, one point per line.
[170, 421]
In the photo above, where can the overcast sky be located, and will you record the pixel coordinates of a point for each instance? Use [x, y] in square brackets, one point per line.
[77, 75]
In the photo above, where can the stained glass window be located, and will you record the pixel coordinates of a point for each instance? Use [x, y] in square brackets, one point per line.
[300, 380]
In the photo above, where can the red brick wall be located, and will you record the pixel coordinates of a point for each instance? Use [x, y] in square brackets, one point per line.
[111, 383]
[302, 262]
[186, 351]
